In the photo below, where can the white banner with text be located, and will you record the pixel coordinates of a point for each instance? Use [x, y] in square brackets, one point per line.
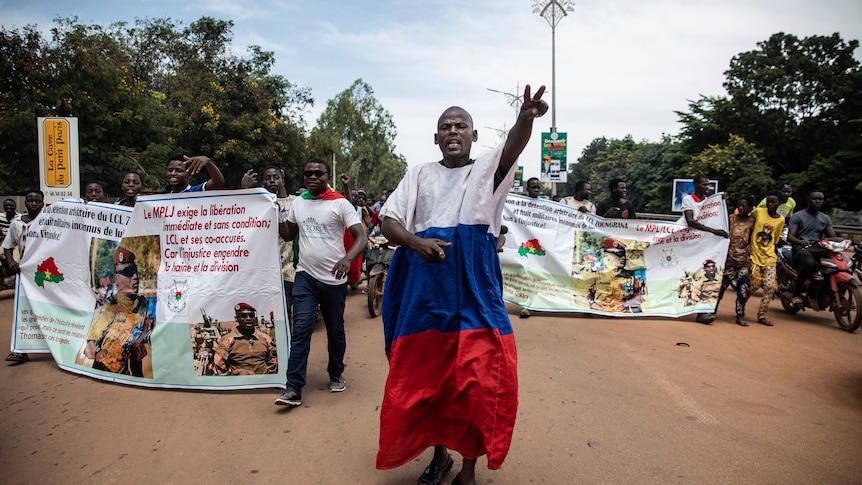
[183, 291]
[558, 259]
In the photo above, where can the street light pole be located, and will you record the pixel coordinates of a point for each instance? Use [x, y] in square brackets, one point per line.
[553, 11]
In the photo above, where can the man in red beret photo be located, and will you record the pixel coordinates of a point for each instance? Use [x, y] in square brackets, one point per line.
[615, 285]
[245, 350]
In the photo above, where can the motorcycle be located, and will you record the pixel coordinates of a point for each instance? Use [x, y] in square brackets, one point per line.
[834, 288]
[377, 258]
[857, 260]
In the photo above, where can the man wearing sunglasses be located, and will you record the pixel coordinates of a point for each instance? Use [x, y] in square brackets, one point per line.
[246, 350]
[120, 332]
[318, 218]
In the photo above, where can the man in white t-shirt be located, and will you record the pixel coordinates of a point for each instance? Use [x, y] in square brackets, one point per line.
[581, 199]
[691, 205]
[319, 218]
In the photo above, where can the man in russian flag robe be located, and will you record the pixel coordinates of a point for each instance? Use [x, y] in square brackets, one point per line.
[453, 380]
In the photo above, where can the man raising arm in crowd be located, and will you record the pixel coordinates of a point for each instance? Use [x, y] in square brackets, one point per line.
[181, 168]
[452, 361]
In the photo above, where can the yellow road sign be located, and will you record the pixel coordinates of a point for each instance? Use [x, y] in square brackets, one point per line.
[58, 169]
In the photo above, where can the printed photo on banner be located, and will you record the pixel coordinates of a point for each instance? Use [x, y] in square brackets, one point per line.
[609, 274]
[702, 285]
[244, 345]
[123, 278]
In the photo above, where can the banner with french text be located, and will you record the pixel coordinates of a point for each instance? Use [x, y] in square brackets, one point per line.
[556, 258]
[183, 291]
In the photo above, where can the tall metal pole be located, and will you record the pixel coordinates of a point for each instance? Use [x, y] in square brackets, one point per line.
[553, 73]
[553, 11]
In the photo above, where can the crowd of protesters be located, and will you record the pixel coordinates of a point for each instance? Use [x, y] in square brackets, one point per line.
[318, 275]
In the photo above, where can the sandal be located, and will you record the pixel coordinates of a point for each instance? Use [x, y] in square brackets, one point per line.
[764, 321]
[16, 357]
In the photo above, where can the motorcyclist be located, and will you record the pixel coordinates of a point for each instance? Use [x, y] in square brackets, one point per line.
[807, 227]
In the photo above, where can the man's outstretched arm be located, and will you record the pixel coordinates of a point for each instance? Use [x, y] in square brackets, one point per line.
[519, 135]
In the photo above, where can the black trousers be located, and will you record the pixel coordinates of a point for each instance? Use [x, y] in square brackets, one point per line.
[806, 260]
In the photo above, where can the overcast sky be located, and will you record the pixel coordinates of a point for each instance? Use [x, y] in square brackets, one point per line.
[622, 66]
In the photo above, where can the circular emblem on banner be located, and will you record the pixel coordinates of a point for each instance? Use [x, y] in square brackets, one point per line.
[177, 297]
[554, 136]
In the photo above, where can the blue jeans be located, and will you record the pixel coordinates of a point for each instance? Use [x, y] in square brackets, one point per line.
[307, 294]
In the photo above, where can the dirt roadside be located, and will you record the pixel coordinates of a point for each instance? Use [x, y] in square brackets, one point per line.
[602, 400]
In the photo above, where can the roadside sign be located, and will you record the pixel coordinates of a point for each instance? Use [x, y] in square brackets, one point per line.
[553, 168]
[58, 158]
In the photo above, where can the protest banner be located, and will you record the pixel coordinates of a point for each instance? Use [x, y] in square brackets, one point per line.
[558, 259]
[151, 296]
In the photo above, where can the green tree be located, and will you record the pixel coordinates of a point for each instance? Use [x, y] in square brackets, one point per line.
[115, 112]
[795, 100]
[737, 165]
[358, 133]
[80, 72]
[582, 168]
[602, 160]
[229, 107]
[23, 85]
[143, 92]
[651, 174]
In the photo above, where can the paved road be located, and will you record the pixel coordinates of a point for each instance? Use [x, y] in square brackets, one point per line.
[602, 400]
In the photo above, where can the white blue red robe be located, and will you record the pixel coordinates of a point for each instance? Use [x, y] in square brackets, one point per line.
[453, 376]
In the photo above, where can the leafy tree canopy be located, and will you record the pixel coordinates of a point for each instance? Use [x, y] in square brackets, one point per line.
[358, 133]
[796, 101]
[143, 92]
